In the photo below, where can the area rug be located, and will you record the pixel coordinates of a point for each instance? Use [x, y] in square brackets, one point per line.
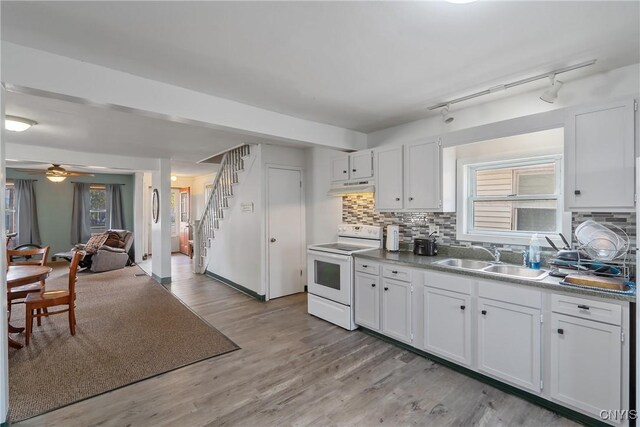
[129, 328]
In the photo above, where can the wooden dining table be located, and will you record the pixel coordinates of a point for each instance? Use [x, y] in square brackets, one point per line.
[20, 275]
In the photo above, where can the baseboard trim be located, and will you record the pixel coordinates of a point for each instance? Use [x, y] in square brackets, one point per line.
[236, 286]
[559, 409]
[161, 280]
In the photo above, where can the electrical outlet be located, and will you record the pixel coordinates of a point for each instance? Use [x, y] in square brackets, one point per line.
[434, 229]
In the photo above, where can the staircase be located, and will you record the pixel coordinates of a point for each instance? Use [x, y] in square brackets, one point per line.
[217, 201]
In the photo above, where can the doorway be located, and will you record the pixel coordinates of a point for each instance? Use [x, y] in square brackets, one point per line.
[285, 231]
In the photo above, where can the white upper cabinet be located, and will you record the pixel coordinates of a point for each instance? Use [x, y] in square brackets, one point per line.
[599, 157]
[340, 168]
[422, 176]
[389, 179]
[361, 164]
[358, 165]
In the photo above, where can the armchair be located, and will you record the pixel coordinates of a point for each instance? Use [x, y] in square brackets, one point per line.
[106, 257]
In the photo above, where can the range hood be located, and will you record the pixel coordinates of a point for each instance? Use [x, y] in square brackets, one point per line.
[351, 187]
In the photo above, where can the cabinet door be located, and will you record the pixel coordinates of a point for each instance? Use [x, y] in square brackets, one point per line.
[361, 164]
[447, 324]
[340, 168]
[389, 178]
[396, 309]
[585, 363]
[600, 154]
[509, 343]
[422, 176]
[367, 301]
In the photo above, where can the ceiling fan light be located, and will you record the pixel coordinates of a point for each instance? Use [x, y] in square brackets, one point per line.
[56, 178]
[17, 124]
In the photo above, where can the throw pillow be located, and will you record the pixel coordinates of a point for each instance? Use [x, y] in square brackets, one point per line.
[95, 242]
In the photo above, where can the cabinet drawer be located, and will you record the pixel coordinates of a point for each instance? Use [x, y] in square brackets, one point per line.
[395, 272]
[514, 294]
[587, 309]
[364, 266]
[448, 282]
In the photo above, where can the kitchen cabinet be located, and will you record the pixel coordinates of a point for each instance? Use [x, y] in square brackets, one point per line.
[358, 165]
[367, 300]
[422, 176]
[396, 309]
[447, 324]
[600, 156]
[586, 363]
[389, 179]
[509, 342]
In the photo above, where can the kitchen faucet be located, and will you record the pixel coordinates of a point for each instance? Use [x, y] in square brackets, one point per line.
[494, 252]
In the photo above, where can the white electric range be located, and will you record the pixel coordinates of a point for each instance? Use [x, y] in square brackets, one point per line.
[330, 273]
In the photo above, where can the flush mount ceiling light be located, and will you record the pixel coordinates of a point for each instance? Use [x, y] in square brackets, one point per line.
[513, 84]
[174, 178]
[550, 95]
[446, 115]
[17, 124]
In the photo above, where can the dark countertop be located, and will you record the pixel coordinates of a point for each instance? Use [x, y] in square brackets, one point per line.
[408, 259]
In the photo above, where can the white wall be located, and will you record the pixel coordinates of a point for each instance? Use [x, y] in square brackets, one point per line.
[596, 88]
[324, 213]
[198, 199]
[4, 362]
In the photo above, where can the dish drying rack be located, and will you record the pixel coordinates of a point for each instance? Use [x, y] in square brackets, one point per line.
[603, 253]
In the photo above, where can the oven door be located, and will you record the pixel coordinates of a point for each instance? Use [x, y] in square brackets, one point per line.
[329, 276]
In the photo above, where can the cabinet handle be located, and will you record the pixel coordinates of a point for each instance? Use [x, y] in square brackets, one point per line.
[373, 285]
[344, 171]
[561, 331]
[577, 192]
[484, 312]
[386, 289]
[462, 307]
[394, 271]
[410, 198]
[397, 199]
[364, 266]
[353, 170]
[583, 307]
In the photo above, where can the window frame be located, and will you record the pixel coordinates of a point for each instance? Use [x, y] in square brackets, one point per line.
[9, 185]
[103, 188]
[465, 230]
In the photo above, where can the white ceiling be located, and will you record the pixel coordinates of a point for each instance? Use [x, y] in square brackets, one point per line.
[79, 127]
[359, 65]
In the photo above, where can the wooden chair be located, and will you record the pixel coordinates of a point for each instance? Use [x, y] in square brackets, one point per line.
[36, 302]
[36, 256]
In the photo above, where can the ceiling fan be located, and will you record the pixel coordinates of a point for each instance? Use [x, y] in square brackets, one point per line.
[55, 173]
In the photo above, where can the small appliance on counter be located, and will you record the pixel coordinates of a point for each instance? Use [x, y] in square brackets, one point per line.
[393, 238]
[426, 247]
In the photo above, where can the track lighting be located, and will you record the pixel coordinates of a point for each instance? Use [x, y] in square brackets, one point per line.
[551, 94]
[446, 115]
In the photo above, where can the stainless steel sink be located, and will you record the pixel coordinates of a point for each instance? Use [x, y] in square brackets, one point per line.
[469, 264]
[516, 271]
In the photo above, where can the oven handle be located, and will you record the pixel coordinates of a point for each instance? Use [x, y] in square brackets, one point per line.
[317, 254]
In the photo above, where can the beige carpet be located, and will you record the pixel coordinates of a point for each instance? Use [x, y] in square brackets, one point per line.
[128, 328]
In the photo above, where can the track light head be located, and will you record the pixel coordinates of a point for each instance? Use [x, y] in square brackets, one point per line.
[446, 116]
[551, 94]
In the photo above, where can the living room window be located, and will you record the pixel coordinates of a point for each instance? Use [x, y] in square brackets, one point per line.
[98, 207]
[509, 200]
[10, 207]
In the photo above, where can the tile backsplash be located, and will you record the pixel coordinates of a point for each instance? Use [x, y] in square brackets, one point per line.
[360, 209]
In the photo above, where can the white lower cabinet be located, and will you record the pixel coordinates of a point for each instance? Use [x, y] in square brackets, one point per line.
[586, 359]
[447, 324]
[367, 301]
[396, 309]
[509, 343]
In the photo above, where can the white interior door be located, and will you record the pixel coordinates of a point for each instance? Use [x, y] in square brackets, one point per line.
[285, 231]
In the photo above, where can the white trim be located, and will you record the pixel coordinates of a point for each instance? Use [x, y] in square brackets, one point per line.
[464, 208]
[303, 246]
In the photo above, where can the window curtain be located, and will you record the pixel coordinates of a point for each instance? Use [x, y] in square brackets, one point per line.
[80, 220]
[27, 213]
[115, 210]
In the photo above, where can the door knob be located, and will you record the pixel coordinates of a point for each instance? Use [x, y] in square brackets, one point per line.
[273, 240]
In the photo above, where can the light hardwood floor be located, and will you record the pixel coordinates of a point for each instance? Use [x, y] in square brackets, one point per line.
[294, 369]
